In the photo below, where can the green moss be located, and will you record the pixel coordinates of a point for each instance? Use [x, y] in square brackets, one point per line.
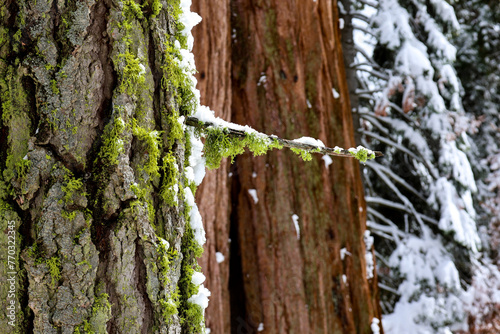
[112, 141]
[175, 79]
[72, 185]
[153, 144]
[133, 74]
[84, 262]
[156, 6]
[362, 154]
[86, 327]
[164, 262]
[23, 168]
[53, 86]
[68, 215]
[35, 253]
[54, 269]
[191, 314]
[175, 128]
[219, 144]
[170, 186]
[174, 10]
[132, 9]
[15, 109]
[143, 197]
[169, 308]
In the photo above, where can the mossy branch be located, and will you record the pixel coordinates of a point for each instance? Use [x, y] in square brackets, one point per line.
[362, 154]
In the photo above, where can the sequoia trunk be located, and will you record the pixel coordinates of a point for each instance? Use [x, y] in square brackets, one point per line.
[288, 79]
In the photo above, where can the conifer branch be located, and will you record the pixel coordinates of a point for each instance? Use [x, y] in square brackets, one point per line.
[292, 144]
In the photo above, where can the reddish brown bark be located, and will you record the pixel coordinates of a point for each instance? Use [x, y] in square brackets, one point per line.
[212, 52]
[296, 285]
[289, 285]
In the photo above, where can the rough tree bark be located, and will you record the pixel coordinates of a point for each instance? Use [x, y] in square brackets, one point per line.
[286, 62]
[91, 153]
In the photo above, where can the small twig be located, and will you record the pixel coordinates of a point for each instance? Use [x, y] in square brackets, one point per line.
[193, 121]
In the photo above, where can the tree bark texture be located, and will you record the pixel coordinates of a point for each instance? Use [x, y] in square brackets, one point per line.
[212, 51]
[90, 95]
[286, 60]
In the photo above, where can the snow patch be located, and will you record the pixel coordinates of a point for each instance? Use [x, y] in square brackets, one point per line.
[219, 257]
[309, 141]
[328, 160]
[198, 278]
[336, 94]
[374, 326]
[295, 220]
[253, 193]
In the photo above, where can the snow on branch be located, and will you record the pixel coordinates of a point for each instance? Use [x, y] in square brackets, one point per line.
[302, 146]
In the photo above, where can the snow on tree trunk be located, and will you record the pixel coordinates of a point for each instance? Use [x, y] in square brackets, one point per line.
[293, 223]
[93, 158]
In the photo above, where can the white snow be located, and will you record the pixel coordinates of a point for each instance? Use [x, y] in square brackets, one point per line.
[219, 257]
[201, 298]
[370, 263]
[309, 141]
[336, 94]
[253, 193]
[343, 253]
[198, 278]
[195, 218]
[341, 23]
[189, 19]
[327, 159]
[295, 220]
[262, 79]
[261, 327]
[374, 326]
[143, 69]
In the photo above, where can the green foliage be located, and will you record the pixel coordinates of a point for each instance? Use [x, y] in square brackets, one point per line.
[220, 145]
[170, 186]
[304, 154]
[54, 269]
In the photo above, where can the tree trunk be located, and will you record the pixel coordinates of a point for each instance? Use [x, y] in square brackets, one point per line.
[93, 160]
[286, 61]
